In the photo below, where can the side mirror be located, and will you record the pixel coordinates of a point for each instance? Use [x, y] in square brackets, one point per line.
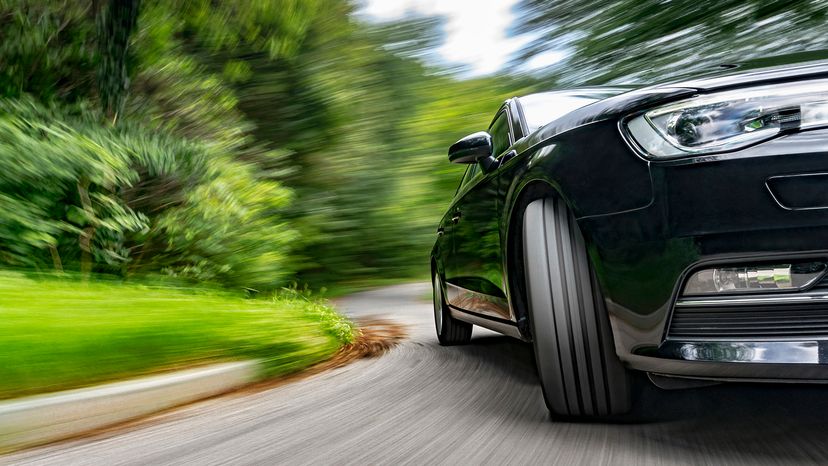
[472, 148]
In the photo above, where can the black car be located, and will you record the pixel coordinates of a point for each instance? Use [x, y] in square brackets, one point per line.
[679, 229]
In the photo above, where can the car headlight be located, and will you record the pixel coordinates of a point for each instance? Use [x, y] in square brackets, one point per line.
[730, 120]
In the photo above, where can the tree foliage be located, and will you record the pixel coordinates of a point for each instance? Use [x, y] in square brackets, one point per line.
[635, 40]
[367, 127]
[116, 24]
[164, 190]
[248, 144]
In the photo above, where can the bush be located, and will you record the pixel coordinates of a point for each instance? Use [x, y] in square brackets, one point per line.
[76, 194]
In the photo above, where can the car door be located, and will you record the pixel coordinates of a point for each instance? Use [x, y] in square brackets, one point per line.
[474, 271]
[444, 246]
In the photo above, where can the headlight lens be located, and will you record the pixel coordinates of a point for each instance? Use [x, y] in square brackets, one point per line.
[731, 120]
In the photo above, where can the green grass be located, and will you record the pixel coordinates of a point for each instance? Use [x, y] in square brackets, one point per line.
[58, 334]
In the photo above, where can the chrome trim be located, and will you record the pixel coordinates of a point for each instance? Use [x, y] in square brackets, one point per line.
[807, 297]
[494, 325]
[480, 303]
[766, 352]
[800, 175]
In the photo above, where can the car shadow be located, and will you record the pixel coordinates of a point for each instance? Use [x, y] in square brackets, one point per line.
[727, 421]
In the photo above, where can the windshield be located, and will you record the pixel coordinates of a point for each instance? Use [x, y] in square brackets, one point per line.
[546, 107]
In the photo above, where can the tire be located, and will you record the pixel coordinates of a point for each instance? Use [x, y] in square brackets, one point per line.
[450, 331]
[580, 373]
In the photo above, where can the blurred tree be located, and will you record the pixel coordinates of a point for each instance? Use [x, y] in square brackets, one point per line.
[118, 189]
[116, 23]
[637, 40]
[220, 107]
[367, 126]
[46, 49]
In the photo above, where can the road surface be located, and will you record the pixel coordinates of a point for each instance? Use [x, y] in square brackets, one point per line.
[424, 404]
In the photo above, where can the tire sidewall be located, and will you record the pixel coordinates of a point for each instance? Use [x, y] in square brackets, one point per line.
[439, 297]
[580, 373]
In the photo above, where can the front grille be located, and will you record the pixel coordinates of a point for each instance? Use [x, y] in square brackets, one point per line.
[720, 319]
[762, 321]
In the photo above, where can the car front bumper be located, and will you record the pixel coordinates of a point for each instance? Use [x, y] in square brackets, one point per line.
[707, 212]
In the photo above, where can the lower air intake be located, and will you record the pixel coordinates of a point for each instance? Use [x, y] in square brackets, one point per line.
[750, 321]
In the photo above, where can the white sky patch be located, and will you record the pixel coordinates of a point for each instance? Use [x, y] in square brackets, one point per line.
[545, 59]
[476, 30]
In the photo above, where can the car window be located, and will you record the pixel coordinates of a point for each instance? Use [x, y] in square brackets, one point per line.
[500, 134]
[470, 172]
[546, 107]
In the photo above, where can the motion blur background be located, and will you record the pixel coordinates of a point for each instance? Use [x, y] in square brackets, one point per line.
[258, 143]
[161, 159]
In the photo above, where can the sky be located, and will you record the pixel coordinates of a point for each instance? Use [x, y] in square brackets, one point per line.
[476, 31]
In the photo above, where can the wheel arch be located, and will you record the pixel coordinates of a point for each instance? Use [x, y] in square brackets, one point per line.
[437, 270]
[513, 267]
[524, 195]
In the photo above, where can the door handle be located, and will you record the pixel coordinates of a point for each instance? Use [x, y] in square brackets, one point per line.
[456, 217]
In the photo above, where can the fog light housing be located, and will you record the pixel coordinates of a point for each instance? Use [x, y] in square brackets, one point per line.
[754, 279]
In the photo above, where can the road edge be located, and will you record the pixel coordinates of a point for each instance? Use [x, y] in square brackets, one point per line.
[42, 419]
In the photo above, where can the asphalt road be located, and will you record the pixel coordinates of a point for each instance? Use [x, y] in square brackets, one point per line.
[480, 403]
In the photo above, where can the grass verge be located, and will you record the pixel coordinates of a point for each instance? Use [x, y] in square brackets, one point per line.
[58, 334]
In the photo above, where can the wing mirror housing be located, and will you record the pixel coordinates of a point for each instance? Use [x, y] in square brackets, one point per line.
[476, 147]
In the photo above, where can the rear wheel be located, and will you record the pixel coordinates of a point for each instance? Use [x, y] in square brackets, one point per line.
[580, 373]
[450, 331]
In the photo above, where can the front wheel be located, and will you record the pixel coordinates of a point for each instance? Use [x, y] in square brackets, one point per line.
[580, 373]
[450, 331]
